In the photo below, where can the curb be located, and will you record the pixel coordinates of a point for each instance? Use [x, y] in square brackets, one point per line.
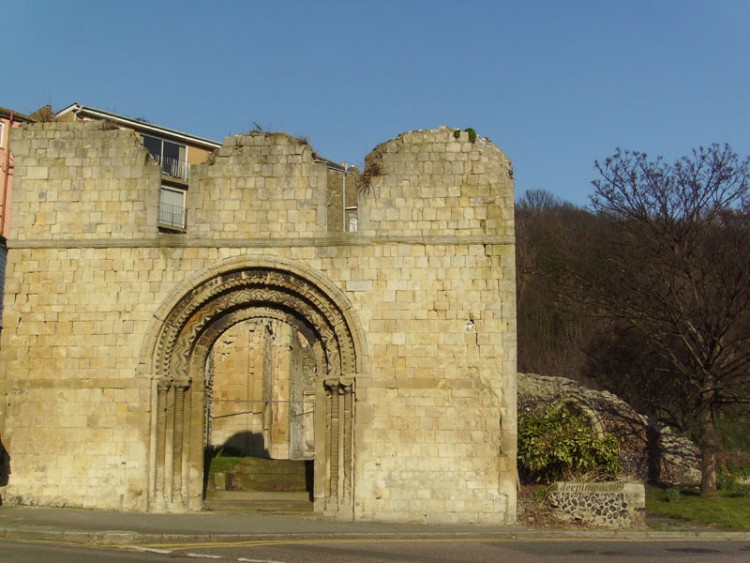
[129, 538]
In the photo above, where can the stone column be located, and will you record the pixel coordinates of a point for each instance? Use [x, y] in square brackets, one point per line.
[162, 392]
[339, 443]
[179, 484]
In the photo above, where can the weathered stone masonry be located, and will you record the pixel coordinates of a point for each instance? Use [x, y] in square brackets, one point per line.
[410, 321]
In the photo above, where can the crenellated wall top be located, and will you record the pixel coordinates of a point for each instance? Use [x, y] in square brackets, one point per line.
[85, 181]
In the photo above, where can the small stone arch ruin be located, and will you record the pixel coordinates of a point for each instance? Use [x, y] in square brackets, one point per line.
[234, 293]
[647, 452]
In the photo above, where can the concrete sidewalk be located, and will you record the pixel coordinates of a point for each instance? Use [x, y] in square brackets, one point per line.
[127, 528]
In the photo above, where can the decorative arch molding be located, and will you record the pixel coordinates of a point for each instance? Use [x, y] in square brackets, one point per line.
[580, 408]
[208, 338]
[188, 324]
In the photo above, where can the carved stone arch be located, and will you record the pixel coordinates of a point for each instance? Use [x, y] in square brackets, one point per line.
[313, 320]
[240, 289]
[205, 341]
[196, 317]
[579, 408]
[157, 333]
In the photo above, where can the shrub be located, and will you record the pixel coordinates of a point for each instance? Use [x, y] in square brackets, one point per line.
[560, 445]
[730, 486]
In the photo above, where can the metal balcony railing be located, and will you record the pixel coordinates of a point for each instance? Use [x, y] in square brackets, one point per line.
[171, 216]
[173, 167]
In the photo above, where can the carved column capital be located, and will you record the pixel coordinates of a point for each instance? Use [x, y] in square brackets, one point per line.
[182, 384]
[163, 384]
[339, 385]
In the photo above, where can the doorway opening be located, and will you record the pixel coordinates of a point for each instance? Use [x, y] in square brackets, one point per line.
[260, 418]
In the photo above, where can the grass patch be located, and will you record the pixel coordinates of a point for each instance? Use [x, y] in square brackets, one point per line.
[723, 510]
[224, 464]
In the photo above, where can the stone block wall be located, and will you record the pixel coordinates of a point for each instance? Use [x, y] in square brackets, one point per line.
[432, 183]
[259, 186]
[444, 334]
[83, 183]
[426, 286]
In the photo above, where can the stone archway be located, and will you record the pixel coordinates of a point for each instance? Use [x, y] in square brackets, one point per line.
[194, 321]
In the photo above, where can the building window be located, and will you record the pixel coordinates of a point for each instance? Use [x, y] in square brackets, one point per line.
[2, 135]
[172, 208]
[172, 157]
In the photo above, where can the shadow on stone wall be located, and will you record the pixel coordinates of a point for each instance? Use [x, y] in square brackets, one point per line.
[4, 465]
[244, 444]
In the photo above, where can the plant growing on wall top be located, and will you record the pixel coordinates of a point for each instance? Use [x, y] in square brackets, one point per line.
[373, 168]
[469, 130]
[108, 125]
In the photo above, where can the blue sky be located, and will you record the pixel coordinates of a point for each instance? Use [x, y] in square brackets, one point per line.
[556, 84]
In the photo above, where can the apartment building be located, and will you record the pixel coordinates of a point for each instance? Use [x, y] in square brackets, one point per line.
[8, 119]
[173, 150]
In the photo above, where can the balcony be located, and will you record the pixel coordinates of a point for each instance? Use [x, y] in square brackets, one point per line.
[172, 209]
[172, 216]
[172, 157]
[174, 167]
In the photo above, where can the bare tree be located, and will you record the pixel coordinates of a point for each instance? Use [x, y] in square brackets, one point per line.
[551, 335]
[674, 266]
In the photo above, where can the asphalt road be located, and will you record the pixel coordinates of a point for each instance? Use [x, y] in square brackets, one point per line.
[408, 550]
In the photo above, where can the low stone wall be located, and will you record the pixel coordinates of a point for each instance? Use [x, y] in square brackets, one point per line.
[603, 505]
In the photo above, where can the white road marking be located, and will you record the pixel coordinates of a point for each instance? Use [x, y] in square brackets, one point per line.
[152, 550]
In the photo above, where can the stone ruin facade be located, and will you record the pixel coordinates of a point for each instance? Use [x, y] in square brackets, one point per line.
[386, 354]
